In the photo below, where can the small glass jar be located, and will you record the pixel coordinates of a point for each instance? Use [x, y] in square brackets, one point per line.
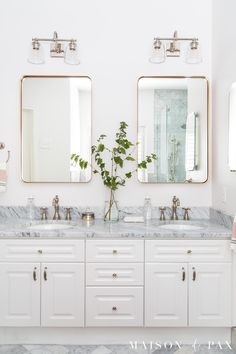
[147, 209]
[31, 211]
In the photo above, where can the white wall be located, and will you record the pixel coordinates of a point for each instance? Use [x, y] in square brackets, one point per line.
[115, 39]
[224, 74]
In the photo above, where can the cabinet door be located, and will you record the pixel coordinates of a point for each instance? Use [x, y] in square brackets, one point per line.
[114, 306]
[165, 295]
[62, 295]
[114, 251]
[209, 294]
[20, 294]
[41, 250]
[118, 274]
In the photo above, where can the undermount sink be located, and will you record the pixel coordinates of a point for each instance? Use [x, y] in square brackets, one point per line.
[49, 227]
[181, 227]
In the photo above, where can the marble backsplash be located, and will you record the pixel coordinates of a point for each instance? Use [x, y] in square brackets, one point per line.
[221, 218]
[196, 213]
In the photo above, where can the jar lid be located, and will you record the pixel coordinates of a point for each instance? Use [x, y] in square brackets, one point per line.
[88, 215]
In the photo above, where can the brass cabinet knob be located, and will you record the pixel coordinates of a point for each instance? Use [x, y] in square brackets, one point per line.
[40, 251]
[114, 308]
[114, 275]
[189, 251]
[114, 252]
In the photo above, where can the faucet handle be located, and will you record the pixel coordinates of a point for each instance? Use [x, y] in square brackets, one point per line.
[162, 213]
[68, 213]
[186, 216]
[44, 212]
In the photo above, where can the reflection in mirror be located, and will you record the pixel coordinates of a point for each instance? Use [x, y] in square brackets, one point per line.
[232, 128]
[172, 123]
[56, 122]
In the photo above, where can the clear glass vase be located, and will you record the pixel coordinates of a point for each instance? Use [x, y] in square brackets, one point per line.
[111, 209]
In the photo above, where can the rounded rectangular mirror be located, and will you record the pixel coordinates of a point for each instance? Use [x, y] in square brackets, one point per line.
[173, 124]
[56, 123]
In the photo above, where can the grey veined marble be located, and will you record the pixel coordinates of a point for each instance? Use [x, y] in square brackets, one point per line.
[221, 218]
[109, 349]
[213, 225]
[20, 212]
[198, 230]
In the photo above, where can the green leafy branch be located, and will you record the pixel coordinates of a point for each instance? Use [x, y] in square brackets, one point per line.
[119, 155]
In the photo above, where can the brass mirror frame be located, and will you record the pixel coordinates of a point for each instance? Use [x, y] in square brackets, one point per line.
[207, 123]
[21, 121]
[230, 131]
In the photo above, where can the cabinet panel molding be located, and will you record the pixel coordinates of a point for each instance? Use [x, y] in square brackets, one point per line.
[20, 294]
[166, 296]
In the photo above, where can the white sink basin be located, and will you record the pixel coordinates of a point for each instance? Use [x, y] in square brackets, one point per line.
[50, 227]
[181, 227]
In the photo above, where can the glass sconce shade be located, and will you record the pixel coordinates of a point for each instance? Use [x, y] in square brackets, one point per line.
[36, 54]
[72, 55]
[158, 53]
[194, 55]
[164, 47]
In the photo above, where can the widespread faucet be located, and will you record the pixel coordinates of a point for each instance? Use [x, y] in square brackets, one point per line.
[175, 204]
[55, 203]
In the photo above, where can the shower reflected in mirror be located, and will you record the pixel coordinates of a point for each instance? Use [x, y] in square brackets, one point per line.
[172, 122]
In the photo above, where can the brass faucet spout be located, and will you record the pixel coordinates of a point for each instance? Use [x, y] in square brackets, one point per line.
[55, 203]
[175, 204]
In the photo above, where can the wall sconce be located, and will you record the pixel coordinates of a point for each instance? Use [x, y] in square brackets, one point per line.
[170, 47]
[57, 50]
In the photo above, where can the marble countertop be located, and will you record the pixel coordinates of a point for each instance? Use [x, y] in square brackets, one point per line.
[98, 229]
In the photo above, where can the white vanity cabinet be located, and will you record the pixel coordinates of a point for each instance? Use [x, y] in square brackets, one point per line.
[181, 292]
[114, 283]
[38, 293]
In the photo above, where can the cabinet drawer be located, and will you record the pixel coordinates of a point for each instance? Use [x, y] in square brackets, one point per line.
[42, 250]
[114, 307]
[114, 274]
[115, 251]
[187, 251]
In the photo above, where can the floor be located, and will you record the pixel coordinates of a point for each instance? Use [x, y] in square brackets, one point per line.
[110, 349]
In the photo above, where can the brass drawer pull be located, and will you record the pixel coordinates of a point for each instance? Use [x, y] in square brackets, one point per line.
[114, 275]
[183, 274]
[45, 274]
[114, 252]
[40, 251]
[194, 274]
[114, 308]
[189, 251]
[35, 274]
